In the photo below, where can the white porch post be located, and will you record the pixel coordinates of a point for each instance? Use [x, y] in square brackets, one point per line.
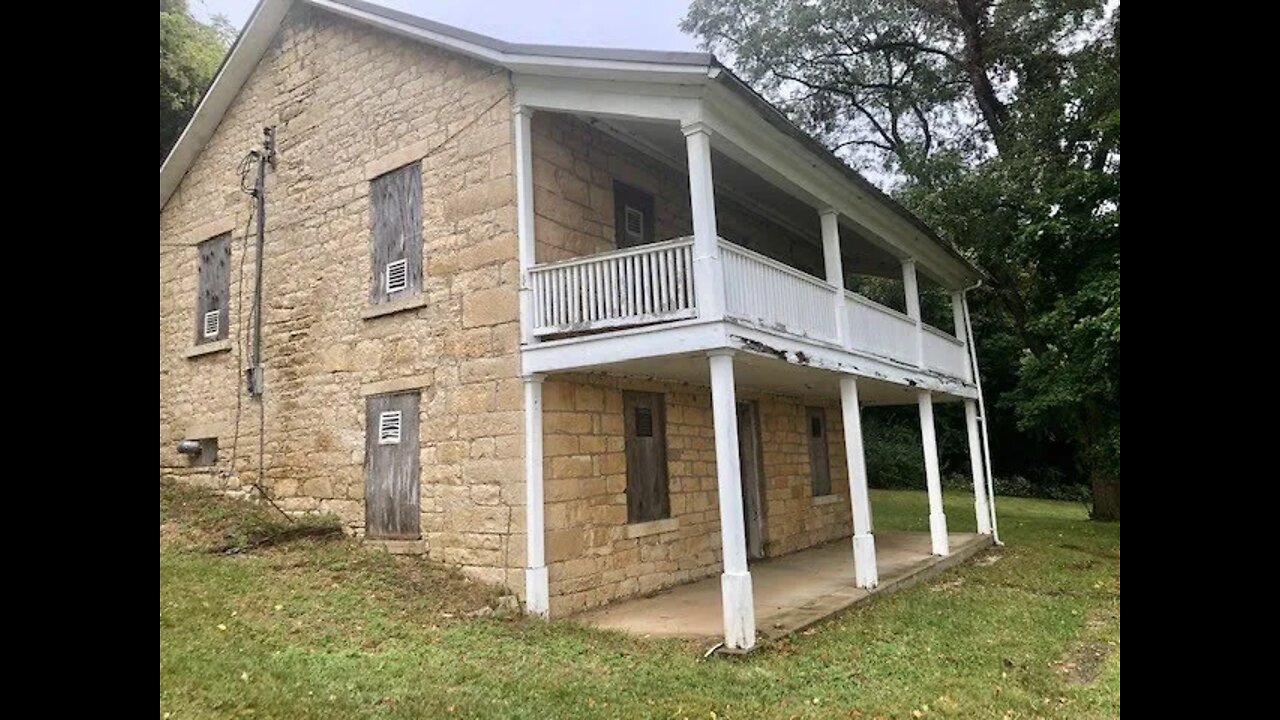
[524, 216]
[537, 596]
[864, 545]
[980, 507]
[737, 598]
[835, 268]
[975, 464]
[911, 288]
[932, 477]
[708, 276]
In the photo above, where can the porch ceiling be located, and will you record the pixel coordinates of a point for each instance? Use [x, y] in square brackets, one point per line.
[864, 254]
[765, 374]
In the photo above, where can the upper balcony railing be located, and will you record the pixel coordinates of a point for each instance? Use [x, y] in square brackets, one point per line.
[880, 329]
[763, 291]
[654, 283]
[637, 286]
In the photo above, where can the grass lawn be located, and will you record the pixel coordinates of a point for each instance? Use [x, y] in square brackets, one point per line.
[323, 628]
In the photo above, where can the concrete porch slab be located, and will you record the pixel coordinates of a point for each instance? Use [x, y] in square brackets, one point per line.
[791, 592]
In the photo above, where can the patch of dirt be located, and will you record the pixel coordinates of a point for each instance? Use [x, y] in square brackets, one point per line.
[169, 532]
[947, 586]
[1083, 659]
[987, 559]
[1083, 662]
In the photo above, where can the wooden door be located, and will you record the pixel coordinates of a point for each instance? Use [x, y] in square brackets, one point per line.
[646, 440]
[391, 467]
[750, 458]
[819, 465]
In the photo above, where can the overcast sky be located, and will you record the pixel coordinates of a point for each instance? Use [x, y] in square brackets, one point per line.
[647, 24]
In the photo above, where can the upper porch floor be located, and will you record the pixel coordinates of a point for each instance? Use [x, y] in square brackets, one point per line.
[643, 239]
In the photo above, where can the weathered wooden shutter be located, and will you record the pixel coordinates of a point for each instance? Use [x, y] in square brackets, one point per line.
[646, 444]
[820, 466]
[395, 201]
[632, 216]
[391, 475]
[213, 289]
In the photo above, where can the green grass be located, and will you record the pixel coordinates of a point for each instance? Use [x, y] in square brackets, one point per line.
[324, 629]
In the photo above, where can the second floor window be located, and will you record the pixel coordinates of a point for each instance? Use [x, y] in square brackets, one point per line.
[633, 216]
[213, 289]
[395, 202]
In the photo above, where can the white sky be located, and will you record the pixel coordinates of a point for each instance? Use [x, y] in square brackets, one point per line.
[647, 24]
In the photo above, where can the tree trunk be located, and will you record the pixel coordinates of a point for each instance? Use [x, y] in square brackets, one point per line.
[973, 25]
[1104, 478]
[1106, 496]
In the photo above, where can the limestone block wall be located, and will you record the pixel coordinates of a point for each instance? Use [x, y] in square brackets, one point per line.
[594, 556]
[794, 519]
[348, 102]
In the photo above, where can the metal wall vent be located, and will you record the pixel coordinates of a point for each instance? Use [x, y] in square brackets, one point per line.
[634, 222]
[397, 276]
[212, 323]
[389, 423]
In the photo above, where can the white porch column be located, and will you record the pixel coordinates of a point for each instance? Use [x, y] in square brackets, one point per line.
[835, 268]
[864, 545]
[708, 275]
[971, 346]
[911, 288]
[524, 215]
[537, 596]
[737, 598]
[975, 464]
[980, 506]
[932, 477]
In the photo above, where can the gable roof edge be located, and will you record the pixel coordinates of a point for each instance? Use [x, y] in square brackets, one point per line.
[671, 66]
[231, 75]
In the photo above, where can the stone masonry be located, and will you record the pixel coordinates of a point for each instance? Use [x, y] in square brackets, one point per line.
[349, 103]
[594, 556]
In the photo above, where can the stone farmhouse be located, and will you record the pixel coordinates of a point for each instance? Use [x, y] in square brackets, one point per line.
[582, 322]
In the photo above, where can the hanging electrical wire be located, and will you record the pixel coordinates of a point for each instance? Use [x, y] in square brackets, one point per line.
[242, 331]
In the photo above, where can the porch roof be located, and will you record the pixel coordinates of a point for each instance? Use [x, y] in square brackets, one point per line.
[572, 61]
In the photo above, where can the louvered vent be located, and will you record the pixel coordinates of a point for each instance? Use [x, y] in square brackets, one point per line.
[212, 323]
[389, 427]
[397, 276]
[644, 422]
[635, 222]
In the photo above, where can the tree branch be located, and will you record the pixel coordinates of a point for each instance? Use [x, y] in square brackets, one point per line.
[853, 100]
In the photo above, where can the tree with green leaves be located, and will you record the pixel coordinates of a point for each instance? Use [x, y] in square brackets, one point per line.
[190, 52]
[998, 121]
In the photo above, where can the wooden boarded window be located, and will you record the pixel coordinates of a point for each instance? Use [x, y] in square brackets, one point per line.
[632, 216]
[646, 445]
[395, 199]
[213, 289]
[391, 476]
[819, 465]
